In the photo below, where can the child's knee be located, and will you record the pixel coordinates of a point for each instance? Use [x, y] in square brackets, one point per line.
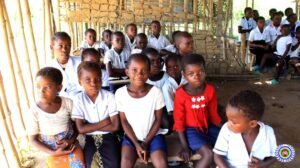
[206, 153]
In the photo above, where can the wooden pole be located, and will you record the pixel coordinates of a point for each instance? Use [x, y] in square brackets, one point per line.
[49, 30]
[14, 91]
[253, 4]
[4, 155]
[58, 16]
[195, 12]
[185, 9]
[219, 28]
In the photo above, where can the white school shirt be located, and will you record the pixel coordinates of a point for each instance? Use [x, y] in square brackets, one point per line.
[105, 78]
[169, 89]
[70, 79]
[232, 146]
[159, 83]
[282, 43]
[140, 112]
[171, 48]
[85, 45]
[103, 46]
[295, 53]
[85, 109]
[256, 35]
[285, 21]
[273, 32]
[158, 43]
[41, 122]
[268, 22]
[118, 61]
[136, 51]
[247, 24]
[128, 43]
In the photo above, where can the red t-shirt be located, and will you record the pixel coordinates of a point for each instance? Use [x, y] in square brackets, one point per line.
[195, 111]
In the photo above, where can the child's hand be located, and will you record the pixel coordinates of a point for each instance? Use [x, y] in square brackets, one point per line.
[60, 151]
[185, 154]
[142, 153]
[61, 144]
[255, 163]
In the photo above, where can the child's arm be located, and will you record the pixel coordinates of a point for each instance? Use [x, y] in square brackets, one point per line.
[214, 117]
[114, 72]
[164, 52]
[275, 42]
[68, 141]
[256, 163]
[84, 127]
[113, 126]
[220, 161]
[295, 46]
[288, 47]
[185, 152]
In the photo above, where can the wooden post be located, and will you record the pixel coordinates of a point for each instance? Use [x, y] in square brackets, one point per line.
[185, 9]
[58, 16]
[49, 32]
[4, 154]
[219, 28]
[195, 12]
[253, 4]
[243, 48]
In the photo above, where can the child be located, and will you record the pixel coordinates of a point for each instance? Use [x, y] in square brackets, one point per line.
[287, 12]
[283, 45]
[273, 30]
[292, 19]
[105, 44]
[90, 40]
[258, 41]
[61, 46]
[172, 47]
[247, 23]
[93, 55]
[49, 126]
[131, 31]
[195, 112]
[255, 15]
[141, 43]
[96, 115]
[141, 107]
[295, 51]
[156, 40]
[244, 141]
[157, 77]
[271, 14]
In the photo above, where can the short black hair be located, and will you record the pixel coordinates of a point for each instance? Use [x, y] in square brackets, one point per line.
[141, 35]
[90, 51]
[51, 73]
[285, 26]
[117, 33]
[250, 103]
[280, 13]
[276, 14]
[272, 10]
[138, 57]
[90, 30]
[247, 9]
[106, 31]
[130, 24]
[287, 9]
[193, 59]
[150, 50]
[292, 14]
[88, 66]
[174, 34]
[183, 34]
[155, 22]
[173, 57]
[61, 36]
[260, 18]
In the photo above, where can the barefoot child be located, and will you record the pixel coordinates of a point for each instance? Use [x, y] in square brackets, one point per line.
[105, 44]
[141, 43]
[195, 112]
[50, 127]
[141, 107]
[244, 141]
[96, 115]
[90, 39]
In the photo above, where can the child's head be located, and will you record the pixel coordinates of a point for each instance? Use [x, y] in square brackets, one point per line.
[141, 41]
[281, 13]
[285, 29]
[271, 12]
[298, 32]
[118, 40]
[244, 110]
[248, 12]
[255, 14]
[90, 36]
[260, 22]
[174, 35]
[184, 43]
[193, 66]
[156, 61]
[276, 19]
[288, 11]
[155, 27]
[138, 69]
[292, 18]
[106, 36]
[173, 66]
[131, 30]
[90, 55]
[89, 75]
[61, 46]
[48, 83]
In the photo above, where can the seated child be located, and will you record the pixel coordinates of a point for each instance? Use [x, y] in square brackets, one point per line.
[273, 30]
[95, 114]
[244, 141]
[271, 14]
[258, 42]
[49, 123]
[172, 47]
[141, 107]
[283, 44]
[195, 112]
[295, 51]
[61, 46]
[157, 77]
[141, 43]
[184, 44]
[156, 40]
[90, 40]
[92, 55]
[105, 44]
[131, 31]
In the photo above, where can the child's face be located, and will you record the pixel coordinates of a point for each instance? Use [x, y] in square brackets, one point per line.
[293, 19]
[249, 13]
[91, 82]
[261, 24]
[138, 72]
[185, 45]
[156, 64]
[107, 38]
[91, 58]
[237, 121]
[173, 69]
[131, 31]
[155, 27]
[47, 89]
[118, 42]
[90, 38]
[195, 75]
[141, 43]
[276, 20]
[61, 49]
[285, 31]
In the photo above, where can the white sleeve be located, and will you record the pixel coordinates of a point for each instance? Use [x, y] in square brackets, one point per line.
[168, 96]
[120, 100]
[107, 57]
[78, 111]
[105, 78]
[167, 42]
[112, 107]
[221, 146]
[289, 40]
[251, 36]
[32, 124]
[160, 102]
[83, 44]
[241, 23]
[273, 144]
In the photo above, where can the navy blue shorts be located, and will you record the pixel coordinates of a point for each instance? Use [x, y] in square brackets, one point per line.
[196, 139]
[157, 143]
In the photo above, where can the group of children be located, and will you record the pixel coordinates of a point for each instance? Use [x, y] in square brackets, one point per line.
[75, 97]
[274, 41]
